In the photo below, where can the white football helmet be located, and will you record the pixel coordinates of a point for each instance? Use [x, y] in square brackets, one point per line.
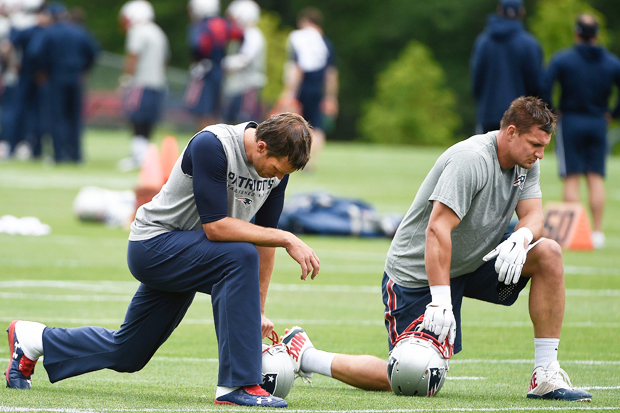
[418, 363]
[201, 9]
[31, 6]
[278, 370]
[246, 13]
[137, 11]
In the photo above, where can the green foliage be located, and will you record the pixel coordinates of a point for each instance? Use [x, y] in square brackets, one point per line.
[367, 35]
[276, 54]
[412, 103]
[554, 21]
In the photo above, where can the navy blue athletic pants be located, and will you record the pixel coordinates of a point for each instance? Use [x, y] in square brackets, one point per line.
[172, 267]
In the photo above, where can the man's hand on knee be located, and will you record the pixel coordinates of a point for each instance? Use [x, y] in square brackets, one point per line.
[511, 255]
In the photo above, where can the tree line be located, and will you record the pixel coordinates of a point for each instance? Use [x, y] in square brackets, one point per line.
[370, 36]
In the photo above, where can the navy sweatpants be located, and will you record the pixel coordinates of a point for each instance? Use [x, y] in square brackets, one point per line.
[172, 267]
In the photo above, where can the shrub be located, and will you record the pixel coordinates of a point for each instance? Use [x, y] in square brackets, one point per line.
[412, 104]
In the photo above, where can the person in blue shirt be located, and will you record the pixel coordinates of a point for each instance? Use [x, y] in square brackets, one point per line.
[63, 54]
[587, 74]
[30, 122]
[506, 63]
[9, 70]
[208, 38]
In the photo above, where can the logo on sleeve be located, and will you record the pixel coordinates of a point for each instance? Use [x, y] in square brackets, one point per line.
[520, 181]
[245, 201]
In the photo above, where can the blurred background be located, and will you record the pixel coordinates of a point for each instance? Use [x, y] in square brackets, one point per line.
[426, 44]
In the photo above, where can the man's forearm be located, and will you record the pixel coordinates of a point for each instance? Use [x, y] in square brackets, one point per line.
[267, 257]
[437, 258]
[235, 230]
[530, 213]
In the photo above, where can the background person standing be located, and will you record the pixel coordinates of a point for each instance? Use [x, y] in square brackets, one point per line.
[209, 35]
[144, 79]
[586, 73]
[64, 53]
[506, 63]
[311, 76]
[245, 70]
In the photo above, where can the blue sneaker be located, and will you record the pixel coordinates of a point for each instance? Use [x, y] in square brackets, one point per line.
[251, 396]
[19, 372]
[553, 383]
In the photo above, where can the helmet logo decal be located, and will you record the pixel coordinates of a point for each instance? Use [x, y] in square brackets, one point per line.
[435, 379]
[270, 381]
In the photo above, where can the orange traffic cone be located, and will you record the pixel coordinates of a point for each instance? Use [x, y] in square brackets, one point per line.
[169, 155]
[151, 177]
[151, 173]
[568, 224]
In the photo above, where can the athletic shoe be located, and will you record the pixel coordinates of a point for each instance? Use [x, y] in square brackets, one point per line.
[297, 342]
[598, 240]
[19, 372]
[23, 151]
[251, 396]
[553, 383]
[128, 164]
[5, 150]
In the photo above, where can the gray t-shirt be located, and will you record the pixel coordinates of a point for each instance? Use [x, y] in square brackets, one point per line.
[469, 180]
[174, 207]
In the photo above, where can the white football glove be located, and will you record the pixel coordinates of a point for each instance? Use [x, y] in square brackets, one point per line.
[438, 317]
[511, 255]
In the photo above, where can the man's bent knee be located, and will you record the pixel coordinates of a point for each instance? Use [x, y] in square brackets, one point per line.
[546, 257]
[244, 254]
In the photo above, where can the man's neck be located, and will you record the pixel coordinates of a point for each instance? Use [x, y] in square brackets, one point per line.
[249, 143]
[503, 153]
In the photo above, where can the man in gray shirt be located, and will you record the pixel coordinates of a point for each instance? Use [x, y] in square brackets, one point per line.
[195, 236]
[452, 244]
[460, 213]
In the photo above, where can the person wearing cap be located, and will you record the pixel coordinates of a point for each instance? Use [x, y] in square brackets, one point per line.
[208, 39]
[506, 63]
[63, 54]
[586, 74]
[143, 81]
[245, 70]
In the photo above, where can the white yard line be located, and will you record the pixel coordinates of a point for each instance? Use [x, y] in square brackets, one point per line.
[129, 287]
[8, 409]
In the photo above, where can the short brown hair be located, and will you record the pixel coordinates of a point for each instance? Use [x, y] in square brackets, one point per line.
[287, 135]
[528, 112]
[312, 14]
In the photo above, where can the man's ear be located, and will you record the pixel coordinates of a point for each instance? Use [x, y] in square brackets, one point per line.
[261, 146]
[511, 132]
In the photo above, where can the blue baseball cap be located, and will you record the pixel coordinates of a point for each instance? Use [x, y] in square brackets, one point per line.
[511, 7]
[56, 8]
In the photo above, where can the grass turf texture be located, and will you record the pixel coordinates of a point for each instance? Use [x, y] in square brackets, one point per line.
[78, 276]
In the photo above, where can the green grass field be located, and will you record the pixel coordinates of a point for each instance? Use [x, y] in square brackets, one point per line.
[77, 276]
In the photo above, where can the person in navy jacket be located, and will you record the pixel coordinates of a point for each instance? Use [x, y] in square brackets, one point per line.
[506, 63]
[29, 122]
[64, 53]
[586, 73]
